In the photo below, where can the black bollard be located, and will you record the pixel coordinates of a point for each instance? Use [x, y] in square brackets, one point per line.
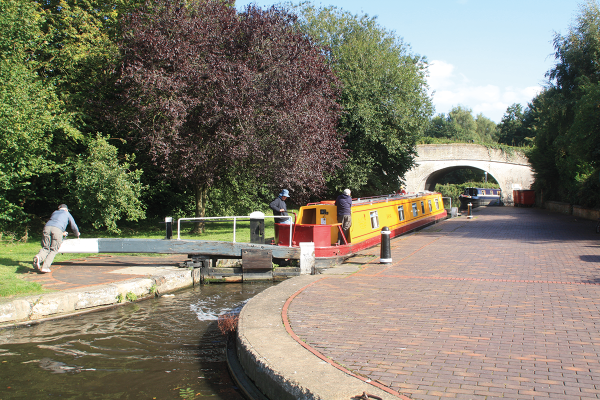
[386, 251]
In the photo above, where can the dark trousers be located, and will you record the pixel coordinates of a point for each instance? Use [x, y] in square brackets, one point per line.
[346, 221]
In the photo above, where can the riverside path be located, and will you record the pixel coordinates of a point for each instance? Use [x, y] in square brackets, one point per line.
[505, 305]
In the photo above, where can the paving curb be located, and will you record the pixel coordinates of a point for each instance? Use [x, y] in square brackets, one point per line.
[74, 301]
[280, 366]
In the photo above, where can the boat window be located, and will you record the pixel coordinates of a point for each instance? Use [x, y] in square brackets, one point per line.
[437, 204]
[374, 220]
[430, 207]
[401, 213]
[415, 210]
[309, 216]
[422, 207]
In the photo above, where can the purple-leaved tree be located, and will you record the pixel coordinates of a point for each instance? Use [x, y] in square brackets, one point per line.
[211, 89]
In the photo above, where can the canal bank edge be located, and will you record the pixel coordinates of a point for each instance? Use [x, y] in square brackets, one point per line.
[278, 364]
[36, 308]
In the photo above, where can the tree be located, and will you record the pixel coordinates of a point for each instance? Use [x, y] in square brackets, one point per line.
[464, 124]
[564, 116]
[460, 125]
[210, 91]
[384, 97]
[513, 128]
[105, 189]
[30, 111]
[486, 129]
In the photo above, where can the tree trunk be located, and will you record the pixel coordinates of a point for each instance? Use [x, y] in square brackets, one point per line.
[200, 191]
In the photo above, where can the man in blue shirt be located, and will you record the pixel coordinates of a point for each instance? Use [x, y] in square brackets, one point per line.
[52, 237]
[344, 214]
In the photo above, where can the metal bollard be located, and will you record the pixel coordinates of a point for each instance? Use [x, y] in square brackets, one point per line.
[257, 227]
[469, 211]
[169, 227]
[386, 251]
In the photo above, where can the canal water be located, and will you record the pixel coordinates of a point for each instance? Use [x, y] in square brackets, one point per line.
[165, 348]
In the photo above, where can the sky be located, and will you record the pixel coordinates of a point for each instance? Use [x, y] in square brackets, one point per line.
[484, 55]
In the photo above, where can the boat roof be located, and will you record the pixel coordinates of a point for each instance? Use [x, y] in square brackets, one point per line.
[379, 199]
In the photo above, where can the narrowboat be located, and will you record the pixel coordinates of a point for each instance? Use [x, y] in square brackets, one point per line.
[480, 197]
[317, 223]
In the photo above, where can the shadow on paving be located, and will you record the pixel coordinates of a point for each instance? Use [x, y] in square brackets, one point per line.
[530, 225]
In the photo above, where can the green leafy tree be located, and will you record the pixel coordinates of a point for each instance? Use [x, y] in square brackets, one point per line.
[584, 134]
[513, 129]
[82, 53]
[384, 97]
[463, 124]
[460, 125]
[105, 189]
[564, 116]
[31, 115]
[486, 129]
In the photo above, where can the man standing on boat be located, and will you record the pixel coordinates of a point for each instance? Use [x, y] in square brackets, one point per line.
[280, 208]
[344, 214]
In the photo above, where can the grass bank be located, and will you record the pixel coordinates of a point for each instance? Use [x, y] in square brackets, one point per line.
[16, 254]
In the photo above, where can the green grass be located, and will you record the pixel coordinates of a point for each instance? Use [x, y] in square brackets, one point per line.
[16, 255]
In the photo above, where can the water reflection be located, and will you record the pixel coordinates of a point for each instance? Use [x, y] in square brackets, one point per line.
[166, 348]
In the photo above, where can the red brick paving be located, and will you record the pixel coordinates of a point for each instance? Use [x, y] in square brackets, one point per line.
[505, 305]
[97, 270]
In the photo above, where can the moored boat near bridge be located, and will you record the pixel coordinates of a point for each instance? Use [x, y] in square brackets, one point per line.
[480, 197]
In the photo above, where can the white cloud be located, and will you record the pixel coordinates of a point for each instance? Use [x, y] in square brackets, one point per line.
[451, 88]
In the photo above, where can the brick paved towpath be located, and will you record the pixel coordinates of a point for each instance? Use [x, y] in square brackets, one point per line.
[506, 305]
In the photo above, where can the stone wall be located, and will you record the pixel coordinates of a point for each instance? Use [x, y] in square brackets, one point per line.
[586, 213]
[569, 209]
[556, 206]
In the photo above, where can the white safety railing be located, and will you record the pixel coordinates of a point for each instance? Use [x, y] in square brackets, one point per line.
[244, 217]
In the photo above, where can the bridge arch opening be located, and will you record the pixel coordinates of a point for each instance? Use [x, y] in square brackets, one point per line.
[457, 174]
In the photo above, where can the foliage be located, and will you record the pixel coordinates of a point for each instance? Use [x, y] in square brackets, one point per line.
[130, 296]
[81, 54]
[106, 190]
[30, 112]
[384, 97]
[55, 61]
[466, 175]
[514, 127]
[486, 129]
[238, 194]
[565, 116]
[187, 393]
[460, 126]
[210, 91]
[454, 190]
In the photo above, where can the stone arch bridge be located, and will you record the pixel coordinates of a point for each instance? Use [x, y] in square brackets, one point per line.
[511, 171]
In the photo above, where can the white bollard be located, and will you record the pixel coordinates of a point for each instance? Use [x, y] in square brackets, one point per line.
[307, 258]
